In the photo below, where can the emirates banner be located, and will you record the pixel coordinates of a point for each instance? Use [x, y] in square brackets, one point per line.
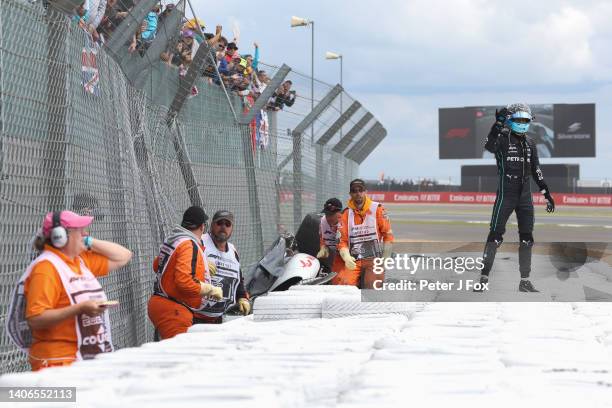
[406, 197]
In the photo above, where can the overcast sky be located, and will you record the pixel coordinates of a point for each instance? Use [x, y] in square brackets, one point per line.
[403, 59]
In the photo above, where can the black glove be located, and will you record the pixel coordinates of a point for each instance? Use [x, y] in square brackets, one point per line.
[550, 203]
[501, 116]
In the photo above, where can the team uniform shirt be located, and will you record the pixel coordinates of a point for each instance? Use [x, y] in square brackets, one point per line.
[228, 277]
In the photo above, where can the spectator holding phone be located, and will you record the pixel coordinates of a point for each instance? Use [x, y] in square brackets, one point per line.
[282, 97]
[59, 302]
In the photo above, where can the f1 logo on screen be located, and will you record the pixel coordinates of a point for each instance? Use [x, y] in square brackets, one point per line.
[558, 130]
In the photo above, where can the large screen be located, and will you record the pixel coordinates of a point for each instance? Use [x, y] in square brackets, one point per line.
[559, 130]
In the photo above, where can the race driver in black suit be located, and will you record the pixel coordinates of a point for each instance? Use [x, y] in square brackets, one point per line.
[517, 160]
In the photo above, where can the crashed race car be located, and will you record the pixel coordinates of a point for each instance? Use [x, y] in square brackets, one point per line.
[290, 261]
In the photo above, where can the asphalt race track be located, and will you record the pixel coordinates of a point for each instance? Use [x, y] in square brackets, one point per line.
[470, 223]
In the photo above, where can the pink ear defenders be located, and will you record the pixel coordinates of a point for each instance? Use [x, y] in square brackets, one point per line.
[59, 235]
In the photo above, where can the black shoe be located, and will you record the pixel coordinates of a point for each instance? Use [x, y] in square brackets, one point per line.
[483, 279]
[526, 286]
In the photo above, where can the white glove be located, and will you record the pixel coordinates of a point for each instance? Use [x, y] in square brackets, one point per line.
[244, 305]
[387, 248]
[212, 268]
[215, 292]
[349, 261]
[323, 252]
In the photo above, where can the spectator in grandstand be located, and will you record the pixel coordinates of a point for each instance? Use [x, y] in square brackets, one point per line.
[89, 14]
[259, 83]
[253, 62]
[143, 38]
[197, 26]
[181, 54]
[219, 250]
[236, 80]
[282, 97]
[211, 63]
[63, 303]
[365, 234]
[166, 12]
[220, 48]
[222, 63]
[230, 51]
[183, 277]
[116, 12]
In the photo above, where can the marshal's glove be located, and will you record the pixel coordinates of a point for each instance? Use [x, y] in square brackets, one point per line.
[244, 305]
[323, 252]
[212, 268]
[211, 291]
[387, 248]
[349, 261]
[550, 203]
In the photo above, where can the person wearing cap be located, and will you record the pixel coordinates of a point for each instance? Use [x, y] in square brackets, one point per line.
[365, 234]
[167, 11]
[329, 234]
[60, 297]
[224, 255]
[182, 284]
[231, 50]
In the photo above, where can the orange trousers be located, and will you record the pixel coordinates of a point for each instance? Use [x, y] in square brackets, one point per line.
[362, 276]
[168, 317]
[38, 365]
[337, 264]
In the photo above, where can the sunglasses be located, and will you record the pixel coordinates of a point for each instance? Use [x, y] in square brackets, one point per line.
[221, 223]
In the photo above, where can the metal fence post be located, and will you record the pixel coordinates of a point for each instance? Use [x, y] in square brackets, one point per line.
[346, 140]
[360, 144]
[262, 100]
[297, 150]
[320, 146]
[370, 145]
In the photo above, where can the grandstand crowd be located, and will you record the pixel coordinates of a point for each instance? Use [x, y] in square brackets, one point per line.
[226, 64]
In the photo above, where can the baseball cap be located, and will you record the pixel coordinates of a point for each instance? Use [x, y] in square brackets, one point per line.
[187, 34]
[357, 183]
[331, 206]
[68, 219]
[223, 215]
[193, 217]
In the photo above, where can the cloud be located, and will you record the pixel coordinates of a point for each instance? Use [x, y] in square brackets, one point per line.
[405, 59]
[478, 42]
